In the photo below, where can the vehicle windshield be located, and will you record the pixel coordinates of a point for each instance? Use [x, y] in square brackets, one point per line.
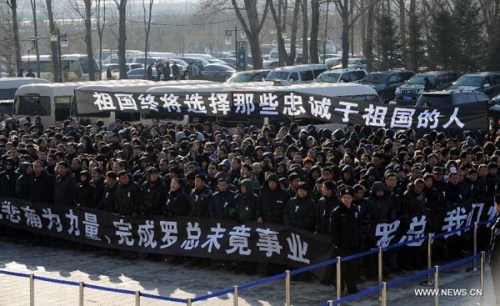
[377, 78]
[418, 79]
[353, 60]
[32, 105]
[7, 93]
[466, 80]
[240, 77]
[328, 77]
[434, 101]
[277, 75]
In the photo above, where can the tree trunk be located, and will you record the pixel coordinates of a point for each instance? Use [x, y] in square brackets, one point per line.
[122, 37]
[279, 34]
[147, 29]
[305, 32]
[100, 27]
[15, 30]
[363, 26]
[35, 26]
[413, 62]
[402, 31]
[369, 36]
[345, 39]
[88, 38]
[253, 28]
[53, 44]
[293, 35]
[313, 45]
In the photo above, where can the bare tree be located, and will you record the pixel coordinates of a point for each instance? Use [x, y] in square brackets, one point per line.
[402, 29]
[284, 57]
[35, 28]
[15, 31]
[305, 32]
[147, 28]
[100, 24]
[87, 19]
[252, 26]
[313, 45]
[122, 36]
[53, 44]
[345, 9]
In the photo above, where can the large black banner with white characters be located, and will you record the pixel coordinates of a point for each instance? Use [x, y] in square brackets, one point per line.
[196, 237]
[193, 237]
[276, 104]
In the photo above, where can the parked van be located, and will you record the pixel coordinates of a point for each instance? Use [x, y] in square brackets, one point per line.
[297, 74]
[8, 87]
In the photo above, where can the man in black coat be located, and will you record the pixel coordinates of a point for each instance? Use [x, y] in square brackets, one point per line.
[326, 204]
[154, 193]
[222, 202]
[495, 251]
[65, 191]
[272, 200]
[42, 184]
[344, 230]
[108, 201]
[128, 195]
[200, 197]
[8, 179]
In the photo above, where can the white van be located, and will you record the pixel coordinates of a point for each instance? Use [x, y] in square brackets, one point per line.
[8, 87]
[52, 101]
[297, 74]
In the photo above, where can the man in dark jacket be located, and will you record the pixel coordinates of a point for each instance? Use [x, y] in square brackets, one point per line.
[86, 196]
[495, 251]
[128, 195]
[42, 184]
[23, 182]
[344, 230]
[246, 203]
[108, 201]
[8, 179]
[300, 211]
[177, 203]
[200, 197]
[326, 204]
[222, 201]
[273, 200]
[65, 187]
[154, 193]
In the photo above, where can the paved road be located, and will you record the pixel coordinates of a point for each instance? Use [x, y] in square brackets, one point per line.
[182, 281]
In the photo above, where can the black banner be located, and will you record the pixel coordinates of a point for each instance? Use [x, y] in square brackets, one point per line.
[279, 103]
[197, 237]
[193, 237]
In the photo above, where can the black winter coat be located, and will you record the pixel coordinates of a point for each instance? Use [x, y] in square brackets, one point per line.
[42, 188]
[153, 197]
[86, 196]
[344, 229]
[221, 205]
[8, 183]
[65, 192]
[128, 198]
[324, 210]
[300, 213]
[199, 201]
[272, 203]
[108, 200]
[177, 204]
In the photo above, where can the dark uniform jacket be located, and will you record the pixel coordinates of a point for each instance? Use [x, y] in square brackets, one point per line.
[8, 183]
[108, 200]
[42, 188]
[300, 213]
[324, 210]
[272, 202]
[222, 204]
[177, 204]
[128, 198]
[199, 201]
[154, 194]
[344, 229]
[65, 192]
[247, 207]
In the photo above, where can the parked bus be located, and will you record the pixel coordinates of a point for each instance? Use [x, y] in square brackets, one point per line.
[74, 67]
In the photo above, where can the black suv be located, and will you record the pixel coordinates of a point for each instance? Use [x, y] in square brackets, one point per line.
[386, 82]
[409, 92]
[487, 82]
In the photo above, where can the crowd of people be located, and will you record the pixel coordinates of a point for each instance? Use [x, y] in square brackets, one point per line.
[338, 183]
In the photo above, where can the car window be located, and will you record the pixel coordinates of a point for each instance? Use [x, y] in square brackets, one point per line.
[357, 75]
[345, 77]
[464, 98]
[294, 77]
[495, 79]
[395, 78]
[307, 75]
[317, 72]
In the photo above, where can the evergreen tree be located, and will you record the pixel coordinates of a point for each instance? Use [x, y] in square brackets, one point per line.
[416, 45]
[442, 40]
[470, 45]
[388, 42]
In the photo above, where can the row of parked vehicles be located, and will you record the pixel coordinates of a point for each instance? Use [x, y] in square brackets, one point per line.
[402, 87]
